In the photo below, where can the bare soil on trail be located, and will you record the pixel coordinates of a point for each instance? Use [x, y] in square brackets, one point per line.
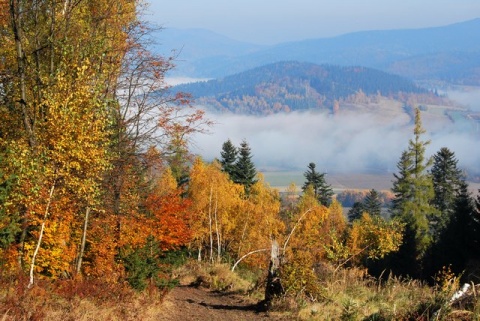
[186, 303]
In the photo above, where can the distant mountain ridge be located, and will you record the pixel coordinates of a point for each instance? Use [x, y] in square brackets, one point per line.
[290, 86]
[453, 48]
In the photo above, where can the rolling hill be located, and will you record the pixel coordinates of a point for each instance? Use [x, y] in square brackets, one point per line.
[293, 86]
[448, 53]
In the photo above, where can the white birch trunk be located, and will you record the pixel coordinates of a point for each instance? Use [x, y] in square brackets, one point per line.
[39, 242]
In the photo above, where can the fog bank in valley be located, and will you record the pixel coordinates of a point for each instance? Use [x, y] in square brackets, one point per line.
[340, 143]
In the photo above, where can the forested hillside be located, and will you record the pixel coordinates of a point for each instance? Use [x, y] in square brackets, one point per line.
[291, 86]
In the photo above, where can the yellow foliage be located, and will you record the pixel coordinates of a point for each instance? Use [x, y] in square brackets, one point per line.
[374, 237]
[225, 220]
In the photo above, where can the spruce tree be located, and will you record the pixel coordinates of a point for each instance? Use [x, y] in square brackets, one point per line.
[228, 159]
[372, 204]
[245, 172]
[355, 212]
[323, 191]
[402, 185]
[447, 180]
[456, 241]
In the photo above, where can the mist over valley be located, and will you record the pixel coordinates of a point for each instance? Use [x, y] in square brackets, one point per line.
[292, 113]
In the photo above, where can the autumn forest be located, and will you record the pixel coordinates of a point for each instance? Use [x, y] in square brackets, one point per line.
[98, 185]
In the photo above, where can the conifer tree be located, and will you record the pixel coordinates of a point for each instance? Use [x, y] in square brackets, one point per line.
[355, 211]
[323, 192]
[402, 184]
[372, 204]
[244, 171]
[447, 180]
[456, 243]
[414, 194]
[228, 159]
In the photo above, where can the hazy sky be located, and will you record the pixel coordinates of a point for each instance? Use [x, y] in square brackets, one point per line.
[269, 22]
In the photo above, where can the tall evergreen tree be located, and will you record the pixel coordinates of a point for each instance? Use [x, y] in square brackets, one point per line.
[323, 192]
[355, 212]
[245, 171]
[228, 159]
[447, 180]
[475, 230]
[456, 241]
[372, 204]
[414, 194]
[402, 185]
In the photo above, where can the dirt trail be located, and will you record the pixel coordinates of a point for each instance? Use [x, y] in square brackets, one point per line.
[198, 304]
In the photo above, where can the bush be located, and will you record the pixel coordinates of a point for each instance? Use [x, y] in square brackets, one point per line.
[214, 276]
[149, 264]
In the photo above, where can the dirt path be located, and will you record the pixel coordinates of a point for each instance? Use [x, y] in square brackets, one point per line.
[198, 304]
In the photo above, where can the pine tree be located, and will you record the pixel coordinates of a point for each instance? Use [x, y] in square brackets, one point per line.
[372, 204]
[228, 159]
[447, 180]
[323, 192]
[245, 172]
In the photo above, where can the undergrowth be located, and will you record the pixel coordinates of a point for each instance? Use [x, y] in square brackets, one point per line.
[345, 294]
[76, 300]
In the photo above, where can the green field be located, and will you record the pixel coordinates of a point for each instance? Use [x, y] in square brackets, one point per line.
[339, 181]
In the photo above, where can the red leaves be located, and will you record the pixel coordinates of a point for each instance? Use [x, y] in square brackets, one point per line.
[169, 221]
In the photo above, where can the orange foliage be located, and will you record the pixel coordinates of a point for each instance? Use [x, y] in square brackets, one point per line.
[169, 222]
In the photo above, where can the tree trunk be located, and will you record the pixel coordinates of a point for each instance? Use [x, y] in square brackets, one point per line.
[84, 238]
[274, 286]
[17, 15]
[42, 229]
[210, 224]
[246, 255]
[219, 243]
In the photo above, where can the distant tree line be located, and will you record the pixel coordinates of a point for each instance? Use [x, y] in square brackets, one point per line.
[289, 86]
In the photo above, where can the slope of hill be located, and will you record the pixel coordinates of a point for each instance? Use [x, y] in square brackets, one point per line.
[290, 86]
[399, 51]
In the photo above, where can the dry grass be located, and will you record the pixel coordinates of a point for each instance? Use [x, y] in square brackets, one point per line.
[348, 294]
[351, 295]
[76, 300]
[213, 276]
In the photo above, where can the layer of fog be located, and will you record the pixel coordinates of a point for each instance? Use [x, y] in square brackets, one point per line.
[467, 96]
[341, 143]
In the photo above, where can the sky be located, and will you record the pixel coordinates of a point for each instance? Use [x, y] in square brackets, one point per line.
[271, 22]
